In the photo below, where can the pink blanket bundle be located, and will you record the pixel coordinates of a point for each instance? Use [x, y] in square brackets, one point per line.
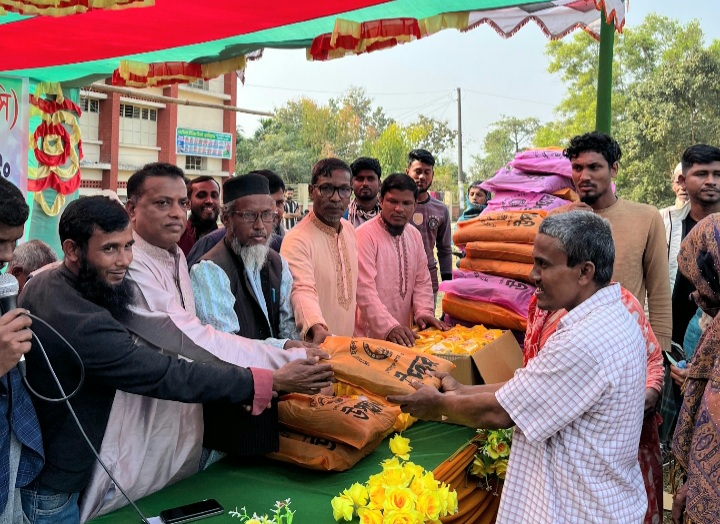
[505, 292]
[519, 200]
[543, 161]
[515, 180]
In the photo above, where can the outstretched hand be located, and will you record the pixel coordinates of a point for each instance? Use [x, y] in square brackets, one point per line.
[403, 336]
[448, 384]
[425, 403]
[427, 321]
[302, 376]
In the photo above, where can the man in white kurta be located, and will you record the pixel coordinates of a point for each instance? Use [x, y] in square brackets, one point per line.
[150, 443]
[394, 285]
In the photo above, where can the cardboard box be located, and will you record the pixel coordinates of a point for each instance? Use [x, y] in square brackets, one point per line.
[494, 363]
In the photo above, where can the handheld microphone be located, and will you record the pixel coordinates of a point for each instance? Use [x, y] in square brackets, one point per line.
[9, 288]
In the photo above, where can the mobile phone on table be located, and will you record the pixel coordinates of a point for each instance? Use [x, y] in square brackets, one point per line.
[189, 512]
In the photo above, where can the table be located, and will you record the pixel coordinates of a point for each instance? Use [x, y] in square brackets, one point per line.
[258, 482]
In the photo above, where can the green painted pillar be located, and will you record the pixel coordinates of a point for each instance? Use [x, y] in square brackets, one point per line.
[603, 115]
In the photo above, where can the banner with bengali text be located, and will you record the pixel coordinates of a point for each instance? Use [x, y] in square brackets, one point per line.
[196, 142]
[14, 103]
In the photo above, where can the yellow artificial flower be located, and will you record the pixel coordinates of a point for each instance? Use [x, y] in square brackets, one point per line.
[376, 493]
[501, 468]
[390, 463]
[426, 481]
[400, 447]
[452, 502]
[374, 480]
[252, 521]
[357, 493]
[402, 517]
[497, 448]
[428, 504]
[370, 516]
[394, 476]
[478, 467]
[413, 470]
[397, 498]
[443, 493]
[342, 507]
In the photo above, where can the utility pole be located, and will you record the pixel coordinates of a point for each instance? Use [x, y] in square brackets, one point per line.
[461, 188]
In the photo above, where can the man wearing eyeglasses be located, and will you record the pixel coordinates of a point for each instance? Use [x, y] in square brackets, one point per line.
[321, 251]
[241, 285]
[163, 438]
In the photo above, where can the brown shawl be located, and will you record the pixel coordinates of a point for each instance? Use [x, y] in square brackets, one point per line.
[696, 442]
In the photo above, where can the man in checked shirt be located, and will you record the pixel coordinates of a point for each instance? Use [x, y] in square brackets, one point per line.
[578, 406]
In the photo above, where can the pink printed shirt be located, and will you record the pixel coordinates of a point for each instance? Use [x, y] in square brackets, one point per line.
[394, 286]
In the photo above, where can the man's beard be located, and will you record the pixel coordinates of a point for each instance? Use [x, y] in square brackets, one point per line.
[395, 231]
[254, 256]
[203, 225]
[590, 199]
[116, 299]
[365, 198]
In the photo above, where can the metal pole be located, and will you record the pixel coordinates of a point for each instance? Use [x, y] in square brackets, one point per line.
[461, 189]
[603, 114]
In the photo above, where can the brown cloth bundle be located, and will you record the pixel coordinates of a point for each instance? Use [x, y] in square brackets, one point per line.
[381, 367]
[500, 251]
[500, 268]
[319, 453]
[518, 227]
[483, 313]
[476, 505]
[352, 421]
[567, 194]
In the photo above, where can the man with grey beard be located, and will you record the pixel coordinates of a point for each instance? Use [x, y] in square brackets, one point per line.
[241, 285]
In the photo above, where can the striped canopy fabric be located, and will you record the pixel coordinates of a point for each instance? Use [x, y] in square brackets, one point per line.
[168, 41]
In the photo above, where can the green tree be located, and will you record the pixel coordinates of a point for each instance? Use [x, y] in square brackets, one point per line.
[676, 106]
[302, 131]
[665, 99]
[506, 137]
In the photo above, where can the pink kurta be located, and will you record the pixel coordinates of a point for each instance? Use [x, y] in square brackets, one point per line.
[324, 268]
[394, 286]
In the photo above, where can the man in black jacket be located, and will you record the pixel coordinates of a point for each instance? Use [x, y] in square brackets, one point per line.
[83, 299]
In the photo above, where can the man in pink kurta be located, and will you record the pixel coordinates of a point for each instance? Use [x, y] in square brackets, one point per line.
[321, 252]
[394, 286]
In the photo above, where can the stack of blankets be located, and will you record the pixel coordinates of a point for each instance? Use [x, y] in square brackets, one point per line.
[535, 179]
[498, 243]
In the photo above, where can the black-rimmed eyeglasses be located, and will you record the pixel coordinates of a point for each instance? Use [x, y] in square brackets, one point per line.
[328, 190]
[251, 216]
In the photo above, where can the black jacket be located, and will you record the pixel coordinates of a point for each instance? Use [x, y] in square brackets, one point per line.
[112, 361]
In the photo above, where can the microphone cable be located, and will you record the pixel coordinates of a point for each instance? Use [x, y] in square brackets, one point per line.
[66, 398]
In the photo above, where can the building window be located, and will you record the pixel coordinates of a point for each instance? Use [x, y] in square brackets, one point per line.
[89, 105]
[200, 84]
[138, 125]
[196, 163]
[90, 118]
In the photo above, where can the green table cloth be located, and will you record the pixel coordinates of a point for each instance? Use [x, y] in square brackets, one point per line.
[257, 483]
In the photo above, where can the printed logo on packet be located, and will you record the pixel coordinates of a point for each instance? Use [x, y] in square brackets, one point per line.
[379, 353]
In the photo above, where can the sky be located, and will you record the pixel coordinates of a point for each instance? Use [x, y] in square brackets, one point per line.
[497, 76]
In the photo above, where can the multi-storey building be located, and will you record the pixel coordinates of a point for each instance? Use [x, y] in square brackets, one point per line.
[122, 133]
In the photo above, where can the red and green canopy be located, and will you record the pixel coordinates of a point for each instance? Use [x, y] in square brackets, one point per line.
[166, 41]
